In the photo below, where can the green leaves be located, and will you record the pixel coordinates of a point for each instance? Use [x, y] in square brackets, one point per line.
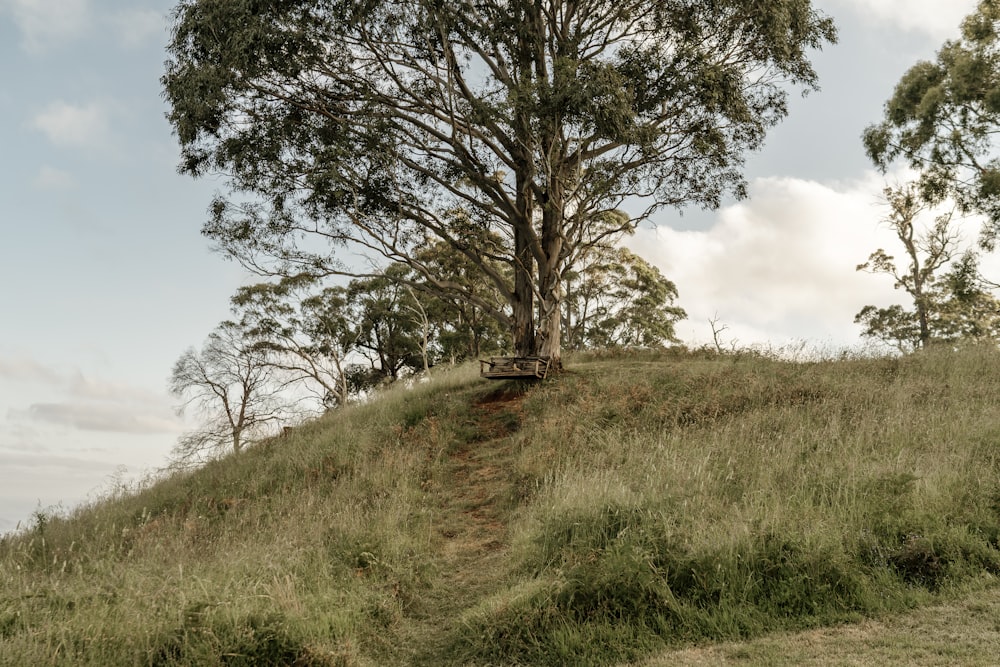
[618, 300]
[946, 308]
[348, 127]
[943, 116]
[942, 119]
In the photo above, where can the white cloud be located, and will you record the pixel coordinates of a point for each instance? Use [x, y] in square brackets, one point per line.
[88, 388]
[73, 400]
[28, 370]
[48, 23]
[938, 19]
[104, 418]
[780, 266]
[15, 459]
[77, 126]
[137, 27]
[52, 178]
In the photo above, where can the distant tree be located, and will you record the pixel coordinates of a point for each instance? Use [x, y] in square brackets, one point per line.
[303, 330]
[967, 309]
[419, 315]
[944, 117]
[366, 125]
[954, 306]
[926, 252]
[462, 316]
[894, 325]
[232, 389]
[388, 333]
[617, 299]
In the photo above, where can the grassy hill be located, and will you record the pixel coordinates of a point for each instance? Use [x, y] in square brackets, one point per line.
[626, 511]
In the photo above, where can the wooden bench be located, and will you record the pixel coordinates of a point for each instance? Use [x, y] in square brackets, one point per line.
[512, 368]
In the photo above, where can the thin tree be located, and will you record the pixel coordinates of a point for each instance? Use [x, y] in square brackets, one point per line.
[927, 251]
[367, 125]
[717, 330]
[232, 389]
[419, 315]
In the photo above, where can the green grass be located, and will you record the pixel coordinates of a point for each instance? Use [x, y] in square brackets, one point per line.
[633, 505]
[963, 632]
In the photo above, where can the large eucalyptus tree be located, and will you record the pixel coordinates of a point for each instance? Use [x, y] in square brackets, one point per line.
[381, 126]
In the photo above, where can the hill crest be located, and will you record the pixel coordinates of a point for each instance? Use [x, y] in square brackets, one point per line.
[632, 504]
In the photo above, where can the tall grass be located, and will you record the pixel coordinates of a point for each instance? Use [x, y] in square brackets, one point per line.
[717, 499]
[634, 502]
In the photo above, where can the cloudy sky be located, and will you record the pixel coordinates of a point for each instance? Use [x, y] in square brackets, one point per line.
[106, 279]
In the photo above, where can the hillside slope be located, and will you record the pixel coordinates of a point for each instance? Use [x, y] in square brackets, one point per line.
[632, 505]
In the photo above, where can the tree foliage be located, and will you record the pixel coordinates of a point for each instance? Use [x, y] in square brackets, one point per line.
[617, 299]
[504, 129]
[304, 332]
[462, 316]
[967, 309]
[943, 119]
[388, 323]
[926, 252]
[957, 310]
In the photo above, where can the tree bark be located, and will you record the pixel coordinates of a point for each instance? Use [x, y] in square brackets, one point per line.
[550, 329]
[523, 304]
[550, 285]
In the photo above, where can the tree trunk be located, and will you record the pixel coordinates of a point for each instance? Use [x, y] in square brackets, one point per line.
[920, 301]
[523, 303]
[550, 329]
[344, 387]
[524, 298]
[553, 209]
[550, 302]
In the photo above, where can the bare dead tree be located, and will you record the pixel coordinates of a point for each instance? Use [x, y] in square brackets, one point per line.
[233, 391]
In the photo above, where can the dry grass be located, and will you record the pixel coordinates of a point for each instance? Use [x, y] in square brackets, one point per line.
[633, 505]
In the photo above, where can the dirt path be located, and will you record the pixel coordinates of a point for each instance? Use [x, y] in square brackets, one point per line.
[472, 492]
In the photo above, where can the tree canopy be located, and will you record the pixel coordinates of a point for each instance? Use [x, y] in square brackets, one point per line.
[618, 300]
[510, 130]
[943, 119]
[304, 332]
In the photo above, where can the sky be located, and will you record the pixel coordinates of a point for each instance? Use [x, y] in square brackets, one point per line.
[105, 279]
